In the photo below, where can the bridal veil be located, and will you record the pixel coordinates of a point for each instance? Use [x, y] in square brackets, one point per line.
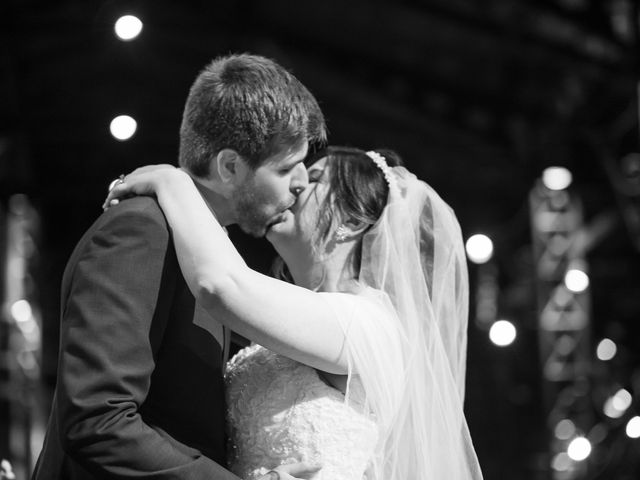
[412, 363]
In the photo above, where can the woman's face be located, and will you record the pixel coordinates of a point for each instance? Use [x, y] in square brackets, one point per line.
[301, 229]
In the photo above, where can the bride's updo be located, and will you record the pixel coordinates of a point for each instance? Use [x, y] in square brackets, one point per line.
[357, 188]
[357, 192]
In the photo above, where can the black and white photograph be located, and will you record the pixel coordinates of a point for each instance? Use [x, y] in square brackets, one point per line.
[331, 240]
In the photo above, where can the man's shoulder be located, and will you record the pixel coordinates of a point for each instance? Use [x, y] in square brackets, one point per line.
[141, 210]
[138, 205]
[134, 224]
[133, 216]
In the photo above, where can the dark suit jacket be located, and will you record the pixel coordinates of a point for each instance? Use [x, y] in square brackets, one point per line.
[140, 389]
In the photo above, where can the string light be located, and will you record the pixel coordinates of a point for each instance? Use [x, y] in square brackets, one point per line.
[606, 349]
[128, 27]
[561, 462]
[579, 449]
[21, 311]
[479, 248]
[123, 127]
[502, 333]
[622, 400]
[576, 280]
[565, 429]
[617, 405]
[633, 427]
[556, 178]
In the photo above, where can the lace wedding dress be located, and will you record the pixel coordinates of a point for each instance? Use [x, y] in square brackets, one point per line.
[281, 411]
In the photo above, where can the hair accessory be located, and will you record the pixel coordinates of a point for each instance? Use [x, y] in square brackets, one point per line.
[380, 161]
[341, 233]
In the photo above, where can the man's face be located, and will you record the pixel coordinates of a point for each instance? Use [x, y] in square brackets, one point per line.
[265, 196]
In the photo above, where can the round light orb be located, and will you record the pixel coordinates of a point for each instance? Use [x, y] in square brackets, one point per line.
[502, 333]
[606, 349]
[561, 462]
[622, 400]
[128, 27]
[633, 427]
[576, 280]
[21, 311]
[556, 178]
[479, 248]
[565, 429]
[123, 127]
[610, 410]
[579, 449]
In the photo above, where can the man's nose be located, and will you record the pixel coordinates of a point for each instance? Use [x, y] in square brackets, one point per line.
[299, 179]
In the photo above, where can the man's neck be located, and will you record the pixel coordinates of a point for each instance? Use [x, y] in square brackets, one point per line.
[218, 204]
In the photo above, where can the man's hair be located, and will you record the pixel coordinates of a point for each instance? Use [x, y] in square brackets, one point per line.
[249, 104]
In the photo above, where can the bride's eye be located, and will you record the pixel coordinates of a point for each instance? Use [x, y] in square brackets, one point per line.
[314, 176]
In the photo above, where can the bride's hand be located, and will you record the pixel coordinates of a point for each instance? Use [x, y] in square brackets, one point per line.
[142, 181]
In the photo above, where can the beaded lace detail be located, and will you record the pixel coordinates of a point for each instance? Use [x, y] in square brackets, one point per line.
[280, 411]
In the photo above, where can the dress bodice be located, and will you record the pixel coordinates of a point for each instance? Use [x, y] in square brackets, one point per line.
[281, 411]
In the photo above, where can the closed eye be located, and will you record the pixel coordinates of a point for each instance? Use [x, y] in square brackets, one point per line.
[314, 175]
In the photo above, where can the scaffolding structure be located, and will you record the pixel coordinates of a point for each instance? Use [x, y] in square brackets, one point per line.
[564, 324]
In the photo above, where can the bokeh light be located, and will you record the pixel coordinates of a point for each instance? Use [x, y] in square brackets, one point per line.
[561, 462]
[633, 427]
[622, 400]
[579, 449]
[479, 248]
[128, 27]
[502, 333]
[576, 280]
[617, 404]
[611, 411]
[21, 311]
[606, 349]
[565, 429]
[556, 178]
[123, 127]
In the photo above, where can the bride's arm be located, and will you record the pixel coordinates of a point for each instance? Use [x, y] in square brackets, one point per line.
[288, 319]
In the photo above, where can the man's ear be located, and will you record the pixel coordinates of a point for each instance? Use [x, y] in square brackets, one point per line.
[230, 166]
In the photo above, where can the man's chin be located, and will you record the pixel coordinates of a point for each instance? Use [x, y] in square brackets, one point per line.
[281, 227]
[257, 231]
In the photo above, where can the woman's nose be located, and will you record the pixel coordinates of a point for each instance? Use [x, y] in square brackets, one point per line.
[299, 180]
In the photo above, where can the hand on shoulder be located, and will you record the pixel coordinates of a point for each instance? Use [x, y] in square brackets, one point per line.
[145, 180]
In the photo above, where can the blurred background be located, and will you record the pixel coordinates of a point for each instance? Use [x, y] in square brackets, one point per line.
[522, 114]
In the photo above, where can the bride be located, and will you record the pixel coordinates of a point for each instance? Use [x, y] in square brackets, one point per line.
[370, 335]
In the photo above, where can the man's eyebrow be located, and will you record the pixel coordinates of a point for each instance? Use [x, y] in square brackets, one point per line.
[293, 163]
[290, 162]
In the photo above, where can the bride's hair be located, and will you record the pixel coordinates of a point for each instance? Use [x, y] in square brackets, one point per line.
[357, 192]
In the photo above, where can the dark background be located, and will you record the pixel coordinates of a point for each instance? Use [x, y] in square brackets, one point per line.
[477, 96]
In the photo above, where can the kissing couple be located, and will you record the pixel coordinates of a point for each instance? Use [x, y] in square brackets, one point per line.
[357, 365]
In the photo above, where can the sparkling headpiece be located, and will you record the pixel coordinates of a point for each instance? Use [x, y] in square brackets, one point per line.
[380, 161]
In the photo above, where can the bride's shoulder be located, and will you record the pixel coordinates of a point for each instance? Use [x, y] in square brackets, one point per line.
[365, 300]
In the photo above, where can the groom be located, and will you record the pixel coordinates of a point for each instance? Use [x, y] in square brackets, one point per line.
[140, 387]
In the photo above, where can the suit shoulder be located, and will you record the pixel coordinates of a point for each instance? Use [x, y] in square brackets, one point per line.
[139, 206]
[132, 217]
[142, 210]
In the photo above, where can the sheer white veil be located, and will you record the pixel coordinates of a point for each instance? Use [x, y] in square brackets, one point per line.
[413, 369]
